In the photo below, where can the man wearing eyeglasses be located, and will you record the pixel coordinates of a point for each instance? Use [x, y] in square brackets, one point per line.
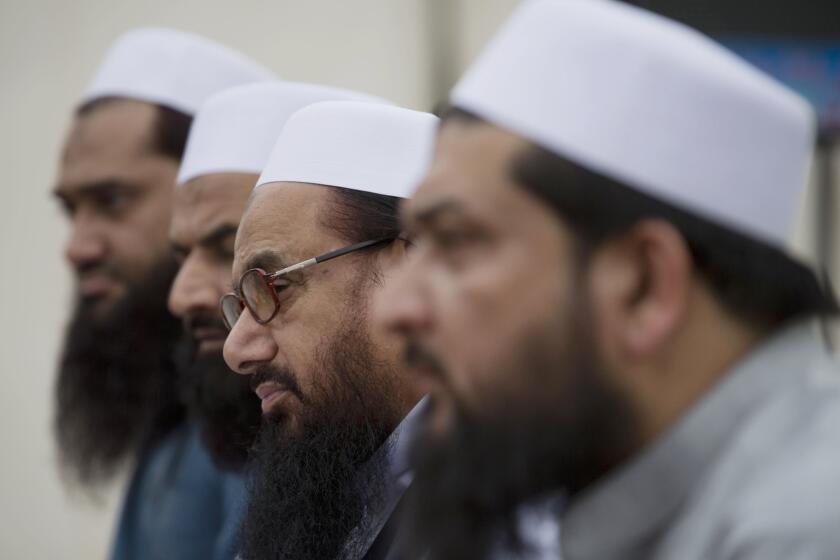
[228, 146]
[317, 238]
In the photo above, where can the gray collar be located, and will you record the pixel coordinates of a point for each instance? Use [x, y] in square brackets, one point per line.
[632, 504]
[399, 442]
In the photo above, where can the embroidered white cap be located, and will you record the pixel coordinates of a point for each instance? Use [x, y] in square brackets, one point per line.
[361, 146]
[173, 68]
[234, 131]
[651, 103]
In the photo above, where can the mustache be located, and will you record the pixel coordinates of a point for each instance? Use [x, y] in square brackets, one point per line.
[102, 267]
[283, 377]
[203, 318]
[418, 356]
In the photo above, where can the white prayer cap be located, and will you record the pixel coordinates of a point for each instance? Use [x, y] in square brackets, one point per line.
[172, 68]
[361, 146]
[651, 103]
[234, 131]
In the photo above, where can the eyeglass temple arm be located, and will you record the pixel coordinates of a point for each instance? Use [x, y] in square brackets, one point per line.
[294, 267]
[328, 256]
[350, 249]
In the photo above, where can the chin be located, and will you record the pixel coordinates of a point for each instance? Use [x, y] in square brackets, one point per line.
[440, 417]
[285, 421]
[100, 305]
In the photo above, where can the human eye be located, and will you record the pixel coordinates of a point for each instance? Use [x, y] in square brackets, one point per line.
[112, 201]
[222, 254]
[451, 239]
[67, 208]
[280, 285]
[452, 246]
[180, 254]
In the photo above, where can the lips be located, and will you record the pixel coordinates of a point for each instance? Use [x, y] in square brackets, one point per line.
[95, 285]
[271, 394]
[208, 334]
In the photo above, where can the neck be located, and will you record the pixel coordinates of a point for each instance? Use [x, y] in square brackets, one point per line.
[707, 345]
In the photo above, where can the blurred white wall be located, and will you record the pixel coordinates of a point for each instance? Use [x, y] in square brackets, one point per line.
[48, 51]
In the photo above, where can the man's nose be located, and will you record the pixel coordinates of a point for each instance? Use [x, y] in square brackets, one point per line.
[87, 243]
[400, 306]
[249, 345]
[194, 288]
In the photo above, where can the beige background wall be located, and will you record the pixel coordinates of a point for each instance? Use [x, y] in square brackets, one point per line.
[407, 50]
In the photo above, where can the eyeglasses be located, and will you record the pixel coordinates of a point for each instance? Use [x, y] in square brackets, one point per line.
[256, 287]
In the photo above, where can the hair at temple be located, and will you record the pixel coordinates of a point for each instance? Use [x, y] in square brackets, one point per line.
[757, 283]
[360, 216]
[171, 129]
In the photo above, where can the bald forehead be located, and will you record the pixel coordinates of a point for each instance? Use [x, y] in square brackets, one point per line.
[277, 207]
[217, 189]
[206, 202]
[285, 218]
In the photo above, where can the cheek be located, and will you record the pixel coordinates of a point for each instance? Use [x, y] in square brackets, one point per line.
[298, 347]
[141, 239]
[484, 320]
[605, 321]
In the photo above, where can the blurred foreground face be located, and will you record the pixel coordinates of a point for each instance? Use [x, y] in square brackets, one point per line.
[205, 218]
[497, 315]
[491, 285]
[117, 192]
[504, 328]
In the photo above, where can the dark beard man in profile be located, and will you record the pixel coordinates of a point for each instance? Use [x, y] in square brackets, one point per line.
[310, 489]
[117, 389]
[221, 402]
[519, 452]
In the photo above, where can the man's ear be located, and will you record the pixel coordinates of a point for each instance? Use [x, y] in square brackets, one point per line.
[641, 285]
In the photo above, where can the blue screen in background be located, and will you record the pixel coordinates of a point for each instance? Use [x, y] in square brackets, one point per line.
[810, 67]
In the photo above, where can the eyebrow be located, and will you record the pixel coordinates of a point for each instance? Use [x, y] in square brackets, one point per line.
[91, 188]
[218, 235]
[268, 260]
[214, 238]
[433, 212]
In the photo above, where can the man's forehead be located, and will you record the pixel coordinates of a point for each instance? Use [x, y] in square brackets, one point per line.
[205, 202]
[112, 141]
[85, 178]
[284, 218]
[280, 207]
[470, 171]
[121, 126]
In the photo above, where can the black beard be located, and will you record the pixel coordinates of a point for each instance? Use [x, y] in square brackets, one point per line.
[221, 402]
[543, 441]
[116, 390]
[310, 489]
